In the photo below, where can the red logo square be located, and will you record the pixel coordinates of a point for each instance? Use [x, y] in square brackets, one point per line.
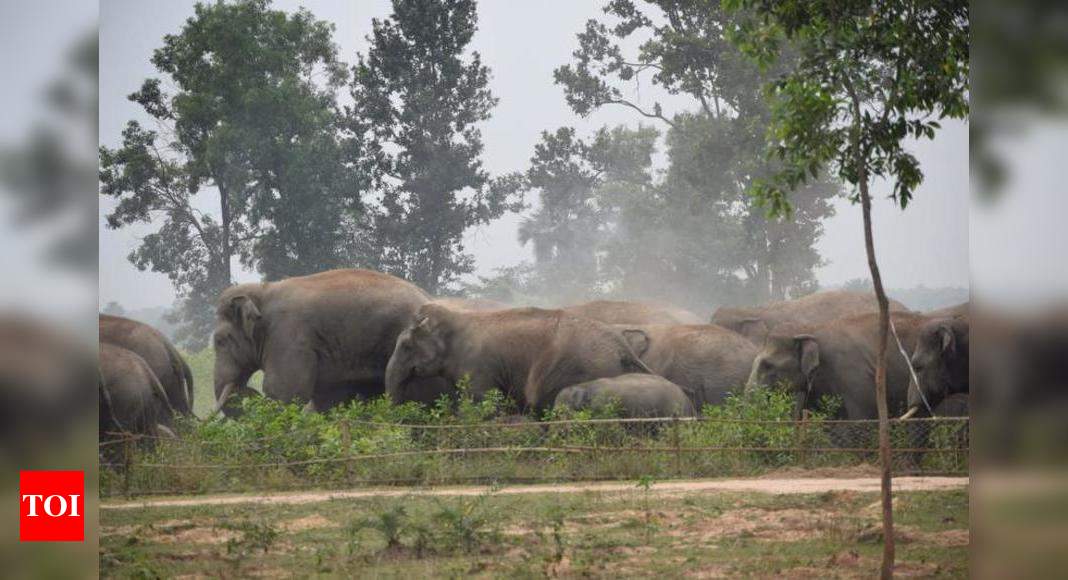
[51, 506]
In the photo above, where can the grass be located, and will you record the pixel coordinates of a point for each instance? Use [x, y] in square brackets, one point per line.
[579, 534]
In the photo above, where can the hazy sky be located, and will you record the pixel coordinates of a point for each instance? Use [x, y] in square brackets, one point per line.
[522, 42]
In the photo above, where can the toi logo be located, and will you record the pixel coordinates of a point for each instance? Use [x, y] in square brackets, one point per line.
[51, 506]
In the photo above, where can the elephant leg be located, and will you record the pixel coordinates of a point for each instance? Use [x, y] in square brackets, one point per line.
[549, 377]
[291, 377]
[329, 396]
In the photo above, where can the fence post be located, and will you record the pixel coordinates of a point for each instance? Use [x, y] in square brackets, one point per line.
[346, 445]
[678, 445]
[802, 437]
[127, 463]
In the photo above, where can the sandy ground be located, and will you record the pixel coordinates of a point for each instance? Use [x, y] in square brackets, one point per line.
[770, 486]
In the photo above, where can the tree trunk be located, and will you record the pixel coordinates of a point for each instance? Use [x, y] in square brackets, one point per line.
[880, 384]
[224, 205]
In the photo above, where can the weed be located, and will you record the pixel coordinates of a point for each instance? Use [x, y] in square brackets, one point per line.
[389, 523]
[464, 524]
[253, 537]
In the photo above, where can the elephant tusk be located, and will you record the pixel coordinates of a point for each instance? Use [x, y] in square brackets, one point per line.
[166, 431]
[908, 414]
[223, 397]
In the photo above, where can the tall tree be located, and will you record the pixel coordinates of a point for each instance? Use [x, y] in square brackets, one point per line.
[715, 150]
[870, 76]
[252, 119]
[565, 229]
[419, 97]
[584, 187]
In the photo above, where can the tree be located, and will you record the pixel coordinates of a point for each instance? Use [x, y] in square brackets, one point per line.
[419, 95]
[252, 117]
[715, 151]
[566, 228]
[870, 75]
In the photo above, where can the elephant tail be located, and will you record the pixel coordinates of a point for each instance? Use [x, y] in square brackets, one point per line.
[107, 408]
[181, 369]
[157, 388]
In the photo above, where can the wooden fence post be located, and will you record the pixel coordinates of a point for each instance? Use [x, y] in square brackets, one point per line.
[678, 446]
[346, 445]
[802, 436]
[127, 463]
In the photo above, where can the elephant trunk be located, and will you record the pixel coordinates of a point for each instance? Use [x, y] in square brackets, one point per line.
[221, 397]
[800, 400]
[396, 375]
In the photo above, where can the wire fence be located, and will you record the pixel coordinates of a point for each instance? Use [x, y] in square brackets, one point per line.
[350, 452]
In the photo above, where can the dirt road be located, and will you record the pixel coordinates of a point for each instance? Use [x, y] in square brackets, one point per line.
[771, 486]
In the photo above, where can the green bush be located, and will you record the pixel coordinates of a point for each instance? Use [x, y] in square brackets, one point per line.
[278, 446]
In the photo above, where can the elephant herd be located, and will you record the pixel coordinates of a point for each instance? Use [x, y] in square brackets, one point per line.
[327, 338]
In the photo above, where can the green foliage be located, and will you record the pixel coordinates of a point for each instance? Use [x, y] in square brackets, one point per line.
[463, 523]
[254, 538]
[278, 446]
[870, 76]
[419, 95]
[249, 109]
[390, 523]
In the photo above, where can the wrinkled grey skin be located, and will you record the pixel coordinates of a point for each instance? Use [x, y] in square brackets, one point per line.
[955, 405]
[528, 354]
[940, 361]
[639, 395]
[838, 358]
[132, 400]
[821, 307]
[709, 360]
[150, 344]
[321, 339]
[627, 312]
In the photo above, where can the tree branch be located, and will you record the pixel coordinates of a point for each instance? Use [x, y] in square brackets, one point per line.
[642, 112]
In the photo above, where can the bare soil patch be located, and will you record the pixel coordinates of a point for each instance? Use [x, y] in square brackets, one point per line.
[806, 485]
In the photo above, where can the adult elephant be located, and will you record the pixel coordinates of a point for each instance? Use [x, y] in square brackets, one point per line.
[322, 339]
[637, 394]
[940, 361]
[626, 312]
[709, 360]
[131, 397]
[838, 359]
[757, 323]
[528, 354]
[158, 352]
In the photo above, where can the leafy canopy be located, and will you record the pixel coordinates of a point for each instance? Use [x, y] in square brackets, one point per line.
[869, 76]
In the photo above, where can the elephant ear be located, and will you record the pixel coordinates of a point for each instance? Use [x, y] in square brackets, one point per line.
[438, 320]
[948, 339]
[637, 339]
[247, 313]
[808, 351]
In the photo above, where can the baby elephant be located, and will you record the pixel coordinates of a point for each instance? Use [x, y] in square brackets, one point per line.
[639, 395]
